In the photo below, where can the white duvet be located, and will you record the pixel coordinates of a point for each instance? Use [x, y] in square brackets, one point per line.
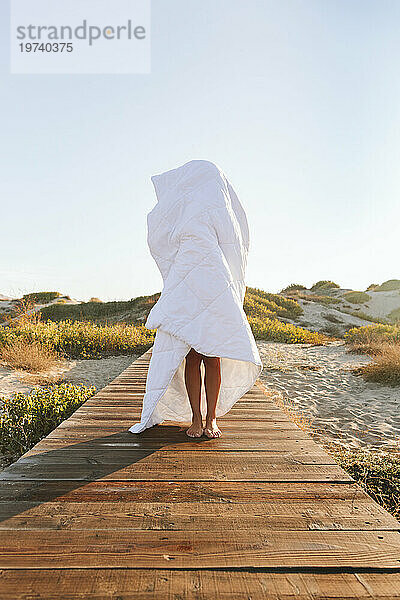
[199, 237]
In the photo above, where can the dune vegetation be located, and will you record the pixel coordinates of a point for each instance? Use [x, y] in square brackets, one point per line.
[378, 473]
[318, 298]
[132, 311]
[41, 297]
[275, 330]
[394, 316]
[293, 287]
[263, 311]
[75, 339]
[362, 315]
[98, 329]
[382, 342]
[33, 357]
[260, 303]
[34, 341]
[356, 297]
[367, 339]
[388, 286]
[324, 284]
[385, 368]
[27, 418]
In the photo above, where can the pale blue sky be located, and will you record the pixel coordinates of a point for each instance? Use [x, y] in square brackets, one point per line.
[297, 100]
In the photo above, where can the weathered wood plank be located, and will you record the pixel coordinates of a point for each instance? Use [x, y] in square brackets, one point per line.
[180, 491]
[150, 584]
[170, 467]
[200, 549]
[172, 434]
[120, 456]
[88, 448]
[333, 514]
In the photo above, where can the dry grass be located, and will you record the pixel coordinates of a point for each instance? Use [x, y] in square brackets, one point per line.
[31, 356]
[373, 339]
[385, 367]
[382, 342]
[43, 379]
[24, 311]
[28, 356]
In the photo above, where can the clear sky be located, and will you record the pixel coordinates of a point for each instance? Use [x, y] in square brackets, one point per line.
[297, 100]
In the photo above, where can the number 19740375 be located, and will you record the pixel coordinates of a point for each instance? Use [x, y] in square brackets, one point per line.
[49, 47]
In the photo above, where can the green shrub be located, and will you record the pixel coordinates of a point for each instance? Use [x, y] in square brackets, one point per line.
[372, 287]
[394, 316]
[89, 311]
[41, 297]
[77, 339]
[324, 284]
[27, 418]
[275, 330]
[325, 300]
[281, 306]
[356, 297]
[389, 286]
[260, 308]
[332, 318]
[293, 287]
[373, 334]
[362, 315]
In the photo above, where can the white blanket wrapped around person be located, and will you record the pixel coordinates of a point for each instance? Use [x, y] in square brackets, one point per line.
[199, 237]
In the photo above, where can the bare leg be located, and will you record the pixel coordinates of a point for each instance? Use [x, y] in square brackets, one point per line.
[193, 386]
[213, 385]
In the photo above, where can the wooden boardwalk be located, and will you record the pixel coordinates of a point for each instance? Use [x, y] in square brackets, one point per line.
[94, 512]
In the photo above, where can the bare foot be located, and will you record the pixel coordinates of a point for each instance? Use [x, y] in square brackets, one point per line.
[212, 430]
[195, 430]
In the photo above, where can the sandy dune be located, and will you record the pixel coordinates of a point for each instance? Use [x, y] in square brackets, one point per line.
[318, 382]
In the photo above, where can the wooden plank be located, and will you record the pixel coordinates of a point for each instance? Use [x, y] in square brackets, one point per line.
[333, 514]
[149, 584]
[88, 448]
[109, 427]
[200, 549]
[170, 467]
[172, 434]
[111, 409]
[120, 456]
[180, 491]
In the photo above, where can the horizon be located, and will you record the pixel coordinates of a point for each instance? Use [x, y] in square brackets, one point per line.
[308, 287]
[297, 101]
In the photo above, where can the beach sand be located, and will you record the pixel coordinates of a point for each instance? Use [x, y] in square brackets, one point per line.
[318, 382]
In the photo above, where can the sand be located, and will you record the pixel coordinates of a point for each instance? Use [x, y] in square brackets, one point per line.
[97, 372]
[318, 382]
[381, 304]
[327, 319]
